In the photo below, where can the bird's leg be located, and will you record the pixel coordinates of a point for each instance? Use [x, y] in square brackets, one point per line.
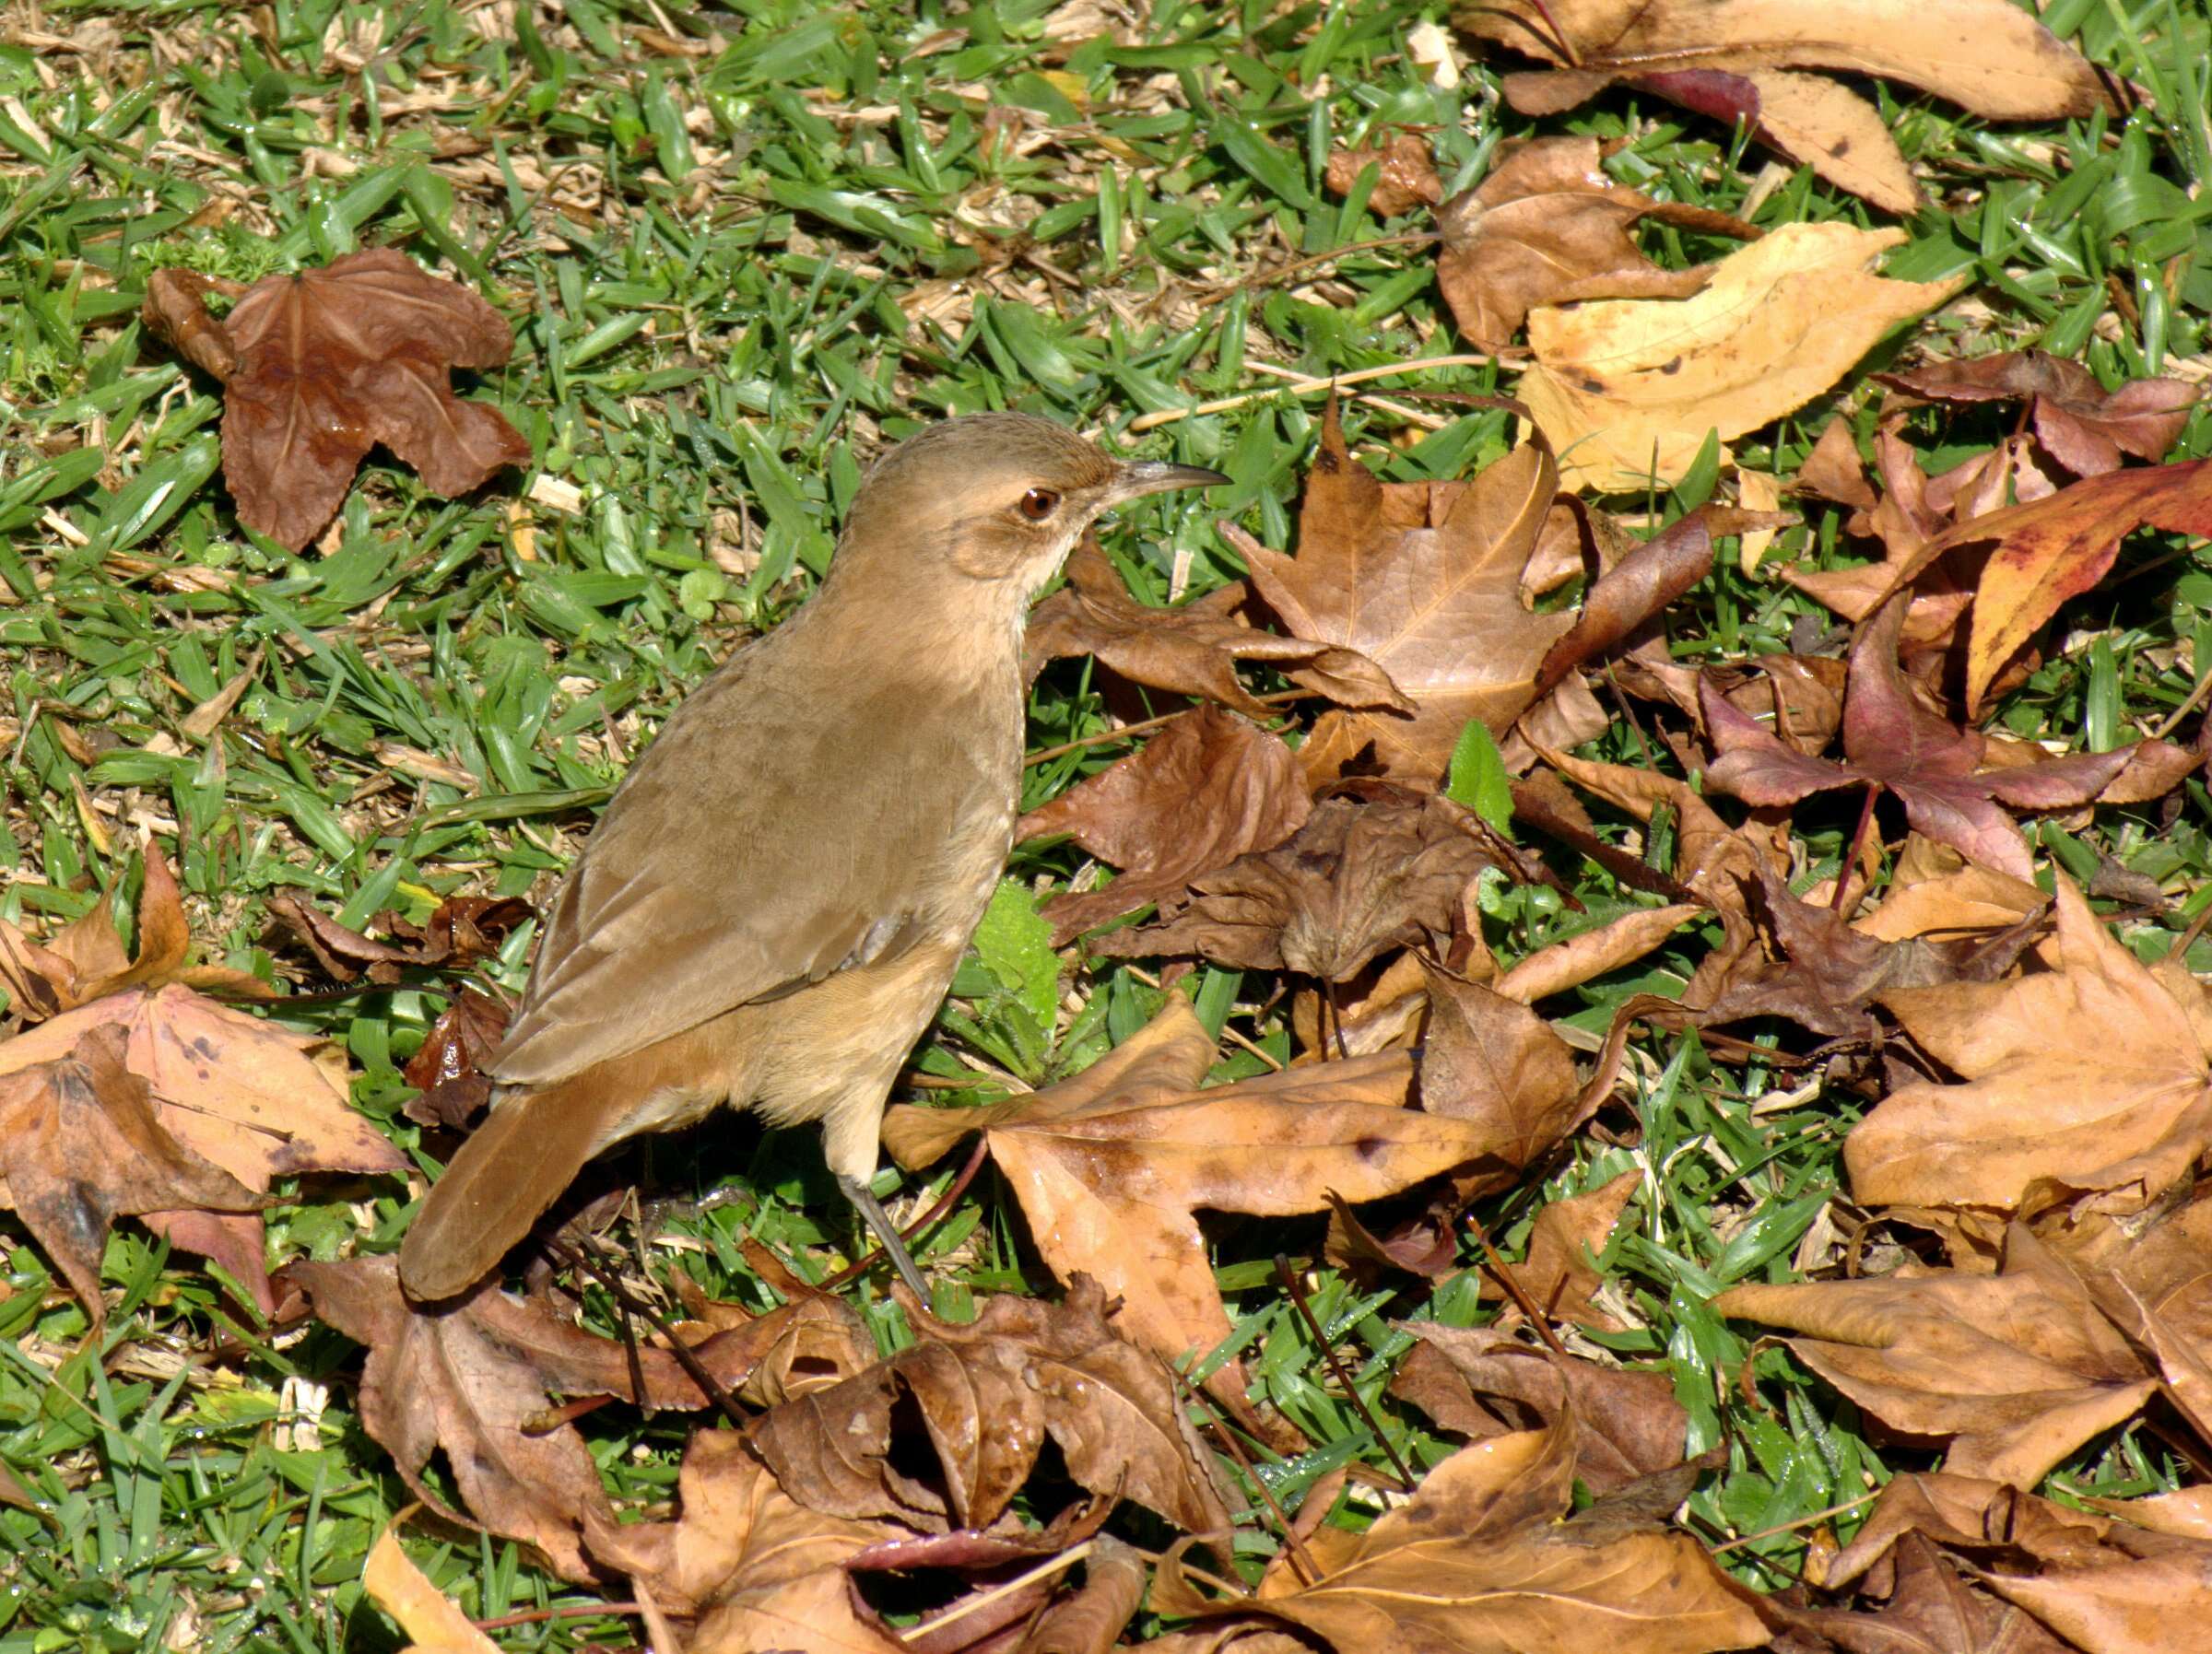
[878, 1221]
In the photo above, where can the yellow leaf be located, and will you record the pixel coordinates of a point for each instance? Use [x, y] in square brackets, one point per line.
[1627, 389]
[433, 1623]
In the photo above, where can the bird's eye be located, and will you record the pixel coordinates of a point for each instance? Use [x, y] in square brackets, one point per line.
[1039, 503]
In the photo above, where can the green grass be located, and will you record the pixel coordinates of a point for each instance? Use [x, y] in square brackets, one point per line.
[740, 257]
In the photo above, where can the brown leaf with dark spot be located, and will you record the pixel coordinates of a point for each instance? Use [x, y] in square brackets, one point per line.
[1384, 868]
[253, 1098]
[1424, 580]
[1109, 1166]
[1548, 225]
[2085, 426]
[1190, 650]
[1407, 180]
[1208, 789]
[81, 1145]
[329, 362]
[1478, 1562]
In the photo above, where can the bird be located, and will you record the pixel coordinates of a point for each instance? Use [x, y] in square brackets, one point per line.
[770, 910]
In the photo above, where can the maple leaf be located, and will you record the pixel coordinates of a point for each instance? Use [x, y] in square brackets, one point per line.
[2083, 425]
[1478, 1562]
[1932, 766]
[1109, 1166]
[2053, 1106]
[1629, 390]
[1192, 649]
[1371, 869]
[80, 1144]
[1547, 226]
[2015, 1370]
[1406, 175]
[2045, 551]
[1480, 1382]
[234, 1090]
[1423, 578]
[84, 960]
[1203, 792]
[477, 1378]
[1730, 58]
[989, 1394]
[319, 367]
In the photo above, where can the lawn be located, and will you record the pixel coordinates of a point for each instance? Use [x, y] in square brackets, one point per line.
[744, 248]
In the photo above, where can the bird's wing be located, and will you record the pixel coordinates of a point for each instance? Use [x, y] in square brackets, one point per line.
[715, 879]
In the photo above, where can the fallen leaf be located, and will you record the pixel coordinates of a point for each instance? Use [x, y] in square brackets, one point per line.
[1990, 1522]
[1374, 867]
[1932, 766]
[2147, 1605]
[476, 1378]
[2013, 1372]
[2049, 550]
[1405, 174]
[988, 1395]
[452, 1070]
[1628, 390]
[461, 931]
[81, 1145]
[1727, 58]
[1560, 1273]
[2093, 1078]
[1192, 649]
[1208, 789]
[1550, 226]
[1478, 1562]
[1423, 580]
[434, 1624]
[1929, 1607]
[768, 1572]
[1591, 954]
[238, 1091]
[1109, 1166]
[2085, 426]
[324, 364]
[1630, 594]
[1481, 1382]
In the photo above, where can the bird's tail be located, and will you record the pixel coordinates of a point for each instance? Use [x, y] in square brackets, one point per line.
[529, 1148]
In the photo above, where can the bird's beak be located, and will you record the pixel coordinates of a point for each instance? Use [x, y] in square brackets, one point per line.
[1157, 476]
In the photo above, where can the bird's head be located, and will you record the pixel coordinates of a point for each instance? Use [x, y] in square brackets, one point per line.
[994, 500]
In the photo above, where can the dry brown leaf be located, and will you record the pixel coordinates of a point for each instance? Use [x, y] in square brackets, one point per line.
[1480, 1382]
[1560, 1273]
[1928, 1607]
[2053, 1105]
[1990, 1522]
[475, 1378]
[1478, 1562]
[1725, 58]
[988, 1395]
[452, 1068]
[1628, 390]
[2085, 426]
[1592, 954]
[1490, 1060]
[321, 366]
[1548, 225]
[1374, 867]
[1109, 1166]
[2150, 1605]
[1208, 789]
[2015, 1370]
[1192, 649]
[434, 1624]
[81, 1143]
[460, 931]
[1964, 901]
[766, 1571]
[252, 1097]
[1405, 174]
[1423, 580]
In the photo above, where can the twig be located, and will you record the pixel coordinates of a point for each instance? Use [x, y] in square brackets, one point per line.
[694, 1368]
[574, 1611]
[1144, 725]
[962, 1609]
[2196, 695]
[1284, 1274]
[1302, 1563]
[1267, 278]
[1305, 384]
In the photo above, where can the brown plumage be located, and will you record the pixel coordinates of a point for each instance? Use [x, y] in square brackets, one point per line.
[772, 905]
